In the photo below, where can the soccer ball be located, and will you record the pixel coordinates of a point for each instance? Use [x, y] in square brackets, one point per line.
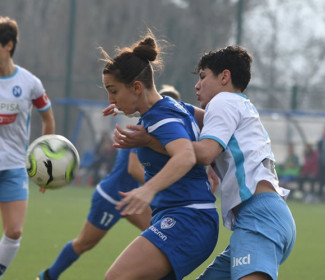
[52, 161]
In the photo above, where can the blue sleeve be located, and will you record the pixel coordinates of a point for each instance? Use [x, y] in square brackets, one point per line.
[189, 107]
[169, 132]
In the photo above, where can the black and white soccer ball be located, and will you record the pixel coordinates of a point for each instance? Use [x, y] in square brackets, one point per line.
[52, 161]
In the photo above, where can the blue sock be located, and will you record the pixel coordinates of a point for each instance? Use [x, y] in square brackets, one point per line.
[63, 261]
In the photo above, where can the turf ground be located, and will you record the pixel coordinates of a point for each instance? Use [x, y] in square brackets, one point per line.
[56, 217]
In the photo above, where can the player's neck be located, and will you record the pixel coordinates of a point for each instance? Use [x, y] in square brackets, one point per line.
[7, 68]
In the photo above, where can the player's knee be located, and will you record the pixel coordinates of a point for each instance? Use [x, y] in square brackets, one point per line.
[14, 234]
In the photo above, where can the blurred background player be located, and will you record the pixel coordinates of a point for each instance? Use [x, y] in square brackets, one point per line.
[19, 92]
[105, 156]
[308, 174]
[102, 215]
[168, 90]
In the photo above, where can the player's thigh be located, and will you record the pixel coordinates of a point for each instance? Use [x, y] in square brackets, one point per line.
[102, 213]
[140, 260]
[14, 185]
[13, 217]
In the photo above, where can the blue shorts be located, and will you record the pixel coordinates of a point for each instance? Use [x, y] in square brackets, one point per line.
[185, 235]
[263, 238]
[13, 185]
[102, 213]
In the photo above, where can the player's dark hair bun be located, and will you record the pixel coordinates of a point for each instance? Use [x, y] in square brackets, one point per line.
[146, 49]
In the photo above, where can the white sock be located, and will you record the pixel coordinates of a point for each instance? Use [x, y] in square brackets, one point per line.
[8, 250]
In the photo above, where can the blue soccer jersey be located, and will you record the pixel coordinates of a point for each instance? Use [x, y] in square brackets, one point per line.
[119, 179]
[168, 120]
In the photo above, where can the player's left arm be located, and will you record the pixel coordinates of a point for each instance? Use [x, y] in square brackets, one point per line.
[48, 127]
[48, 123]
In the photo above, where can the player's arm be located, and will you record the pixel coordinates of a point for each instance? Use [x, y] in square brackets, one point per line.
[135, 168]
[213, 178]
[182, 159]
[206, 150]
[48, 123]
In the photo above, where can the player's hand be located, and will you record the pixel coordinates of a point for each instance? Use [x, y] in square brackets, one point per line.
[137, 136]
[109, 110]
[213, 178]
[42, 189]
[135, 201]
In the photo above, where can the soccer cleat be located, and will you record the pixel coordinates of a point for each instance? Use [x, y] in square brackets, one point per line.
[44, 275]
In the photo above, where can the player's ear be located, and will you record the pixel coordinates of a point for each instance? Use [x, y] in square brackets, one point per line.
[226, 76]
[9, 45]
[138, 87]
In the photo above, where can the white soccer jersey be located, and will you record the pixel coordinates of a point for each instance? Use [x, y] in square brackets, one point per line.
[233, 121]
[18, 93]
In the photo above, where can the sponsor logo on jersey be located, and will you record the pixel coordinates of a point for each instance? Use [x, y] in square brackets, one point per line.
[167, 223]
[241, 260]
[158, 232]
[8, 112]
[17, 91]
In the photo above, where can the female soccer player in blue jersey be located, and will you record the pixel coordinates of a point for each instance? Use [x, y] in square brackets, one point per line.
[184, 225]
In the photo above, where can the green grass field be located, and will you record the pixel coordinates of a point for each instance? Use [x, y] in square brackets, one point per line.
[56, 217]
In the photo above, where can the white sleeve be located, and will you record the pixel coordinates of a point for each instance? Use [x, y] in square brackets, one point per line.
[221, 119]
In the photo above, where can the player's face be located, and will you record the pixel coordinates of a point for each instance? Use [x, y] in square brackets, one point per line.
[121, 95]
[207, 86]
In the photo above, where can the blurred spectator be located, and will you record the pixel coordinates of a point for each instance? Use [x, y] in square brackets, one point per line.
[290, 169]
[104, 159]
[321, 164]
[309, 172]
[168, 90]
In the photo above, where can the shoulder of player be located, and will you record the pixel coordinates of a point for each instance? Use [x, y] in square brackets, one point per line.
[21, 71]
[227, 99]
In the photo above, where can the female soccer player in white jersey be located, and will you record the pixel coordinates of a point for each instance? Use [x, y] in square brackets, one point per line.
[19, 92]
[234, 140]
[184, 226]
